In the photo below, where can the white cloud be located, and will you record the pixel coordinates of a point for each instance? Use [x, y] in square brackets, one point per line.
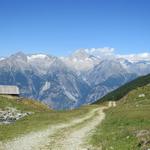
[100, 52]
[108, 52]
[136, 57]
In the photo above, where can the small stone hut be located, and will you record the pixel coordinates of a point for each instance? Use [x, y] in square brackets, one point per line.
[9, 90]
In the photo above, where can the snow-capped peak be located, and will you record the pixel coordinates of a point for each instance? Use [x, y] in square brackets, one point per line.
[37, 56]
[80, 53]
[80, 60]
[2, 58]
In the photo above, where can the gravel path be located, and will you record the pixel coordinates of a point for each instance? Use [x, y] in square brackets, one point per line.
[75, 139]
[68, 136]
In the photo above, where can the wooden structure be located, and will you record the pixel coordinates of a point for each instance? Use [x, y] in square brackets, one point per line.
[9, 90]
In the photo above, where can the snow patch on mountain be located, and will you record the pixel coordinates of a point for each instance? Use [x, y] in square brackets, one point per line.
[46, 86]
[36, 56]
[40, 62]
[70, 96]
[2, 58]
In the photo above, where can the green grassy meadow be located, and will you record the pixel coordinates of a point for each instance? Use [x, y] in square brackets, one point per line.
[127, 126]
[41, 118]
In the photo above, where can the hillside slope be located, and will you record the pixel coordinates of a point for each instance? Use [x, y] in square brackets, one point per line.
[125, 89]
[126, 126]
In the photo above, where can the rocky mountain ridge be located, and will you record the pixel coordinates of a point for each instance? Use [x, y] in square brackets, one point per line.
[68, 82]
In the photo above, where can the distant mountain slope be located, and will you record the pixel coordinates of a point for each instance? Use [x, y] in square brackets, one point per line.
[71, 81]
[123, 90]
[44, 78]
[108, 85]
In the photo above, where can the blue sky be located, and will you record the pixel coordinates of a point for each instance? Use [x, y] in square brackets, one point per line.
[59, 27]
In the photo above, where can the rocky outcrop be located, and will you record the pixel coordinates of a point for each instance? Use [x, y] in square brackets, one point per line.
[143, 137]
[10, 115]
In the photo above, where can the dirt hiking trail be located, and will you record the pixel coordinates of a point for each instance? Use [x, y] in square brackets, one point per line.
[68, 136]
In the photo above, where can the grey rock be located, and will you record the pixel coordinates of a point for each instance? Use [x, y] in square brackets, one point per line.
[10, 115]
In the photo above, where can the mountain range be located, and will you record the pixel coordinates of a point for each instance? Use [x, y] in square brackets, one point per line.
[74, 80]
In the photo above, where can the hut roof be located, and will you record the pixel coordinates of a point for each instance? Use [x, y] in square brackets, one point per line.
[12, 90]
